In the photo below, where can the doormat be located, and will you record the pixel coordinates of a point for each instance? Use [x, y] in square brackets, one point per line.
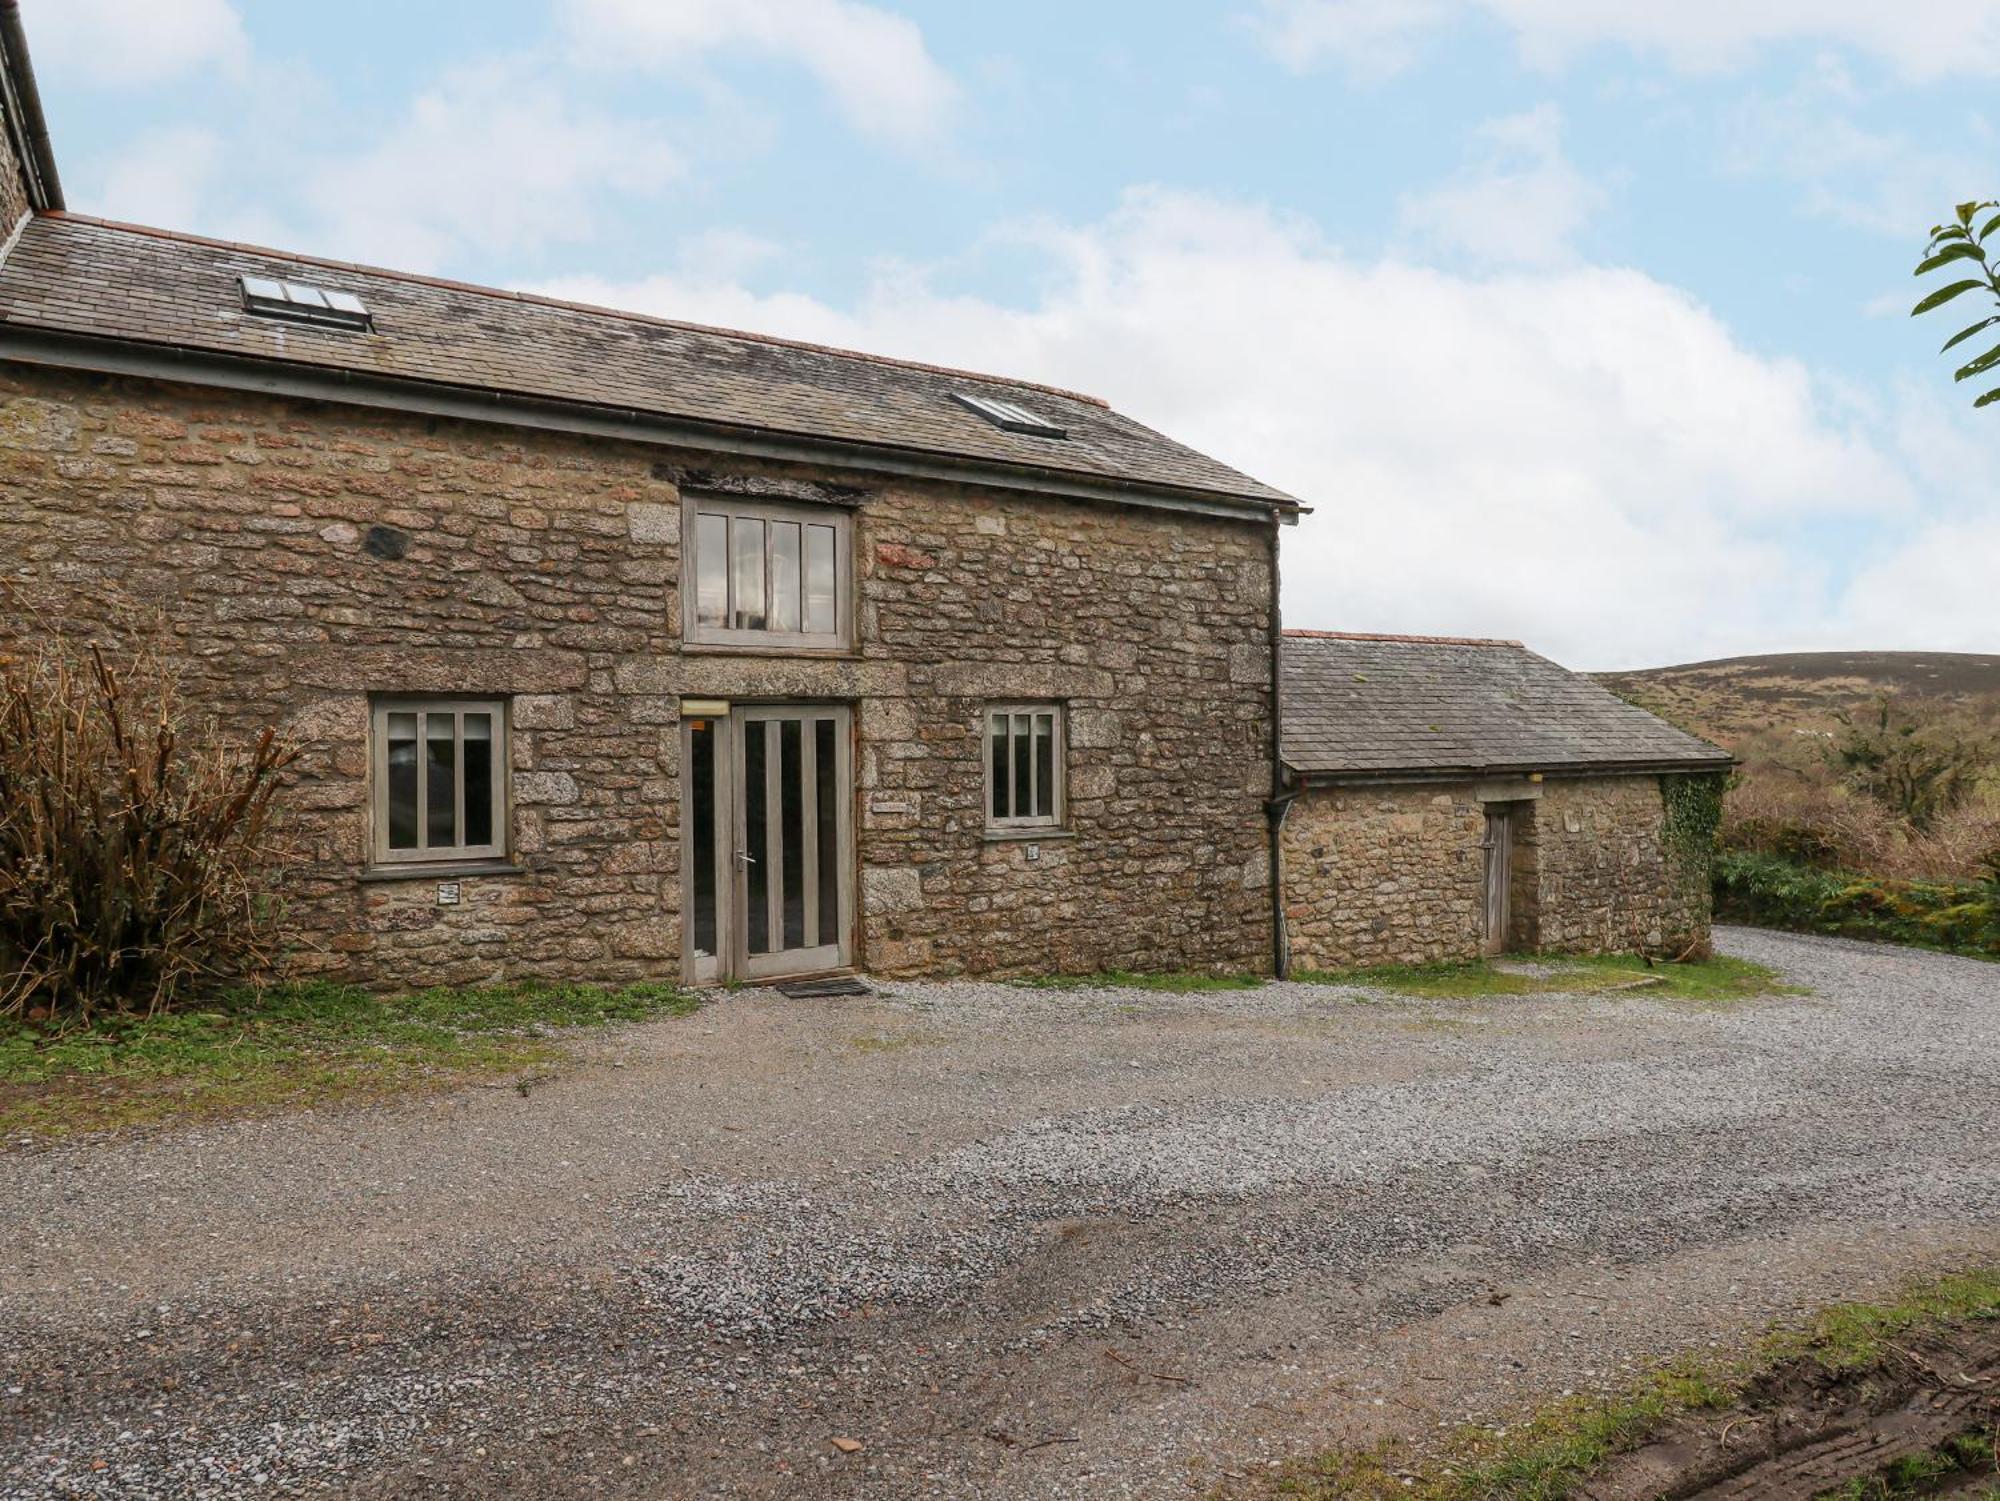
[807, 990]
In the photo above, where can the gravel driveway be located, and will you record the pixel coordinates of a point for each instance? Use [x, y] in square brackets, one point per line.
[1012, 1243]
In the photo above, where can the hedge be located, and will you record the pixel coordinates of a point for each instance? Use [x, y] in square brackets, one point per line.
[1961, 916]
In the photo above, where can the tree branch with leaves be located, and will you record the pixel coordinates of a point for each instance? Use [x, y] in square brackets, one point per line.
[1950, 245]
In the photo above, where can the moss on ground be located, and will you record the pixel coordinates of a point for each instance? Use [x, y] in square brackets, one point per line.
[1547, 1457]
[1716, 979]
[250, 1051]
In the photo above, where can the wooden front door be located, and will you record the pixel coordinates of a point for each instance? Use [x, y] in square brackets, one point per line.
[769, 842]
[1499, 851]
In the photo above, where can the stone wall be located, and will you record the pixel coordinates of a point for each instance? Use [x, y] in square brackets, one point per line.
[1394, 874]
[546, 569]
[1608, 884]
[14, 205]
[1383, 875]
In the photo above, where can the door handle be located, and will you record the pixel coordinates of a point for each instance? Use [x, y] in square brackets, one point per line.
[744, 857]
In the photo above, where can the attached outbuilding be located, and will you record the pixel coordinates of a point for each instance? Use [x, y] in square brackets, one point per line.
[1452, 797]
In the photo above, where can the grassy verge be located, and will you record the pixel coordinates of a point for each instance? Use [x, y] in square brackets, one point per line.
[249, 1051]
[1118, 979]
[1547, 1457]
[1970, 1454]
[1717, 979]
[1961, 917]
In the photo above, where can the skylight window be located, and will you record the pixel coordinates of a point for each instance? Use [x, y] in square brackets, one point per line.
[299, 303]
[1009, 416]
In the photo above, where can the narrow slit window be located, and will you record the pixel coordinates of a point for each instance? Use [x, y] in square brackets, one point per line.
[764, 574]
[1024, 767]
[440, 780]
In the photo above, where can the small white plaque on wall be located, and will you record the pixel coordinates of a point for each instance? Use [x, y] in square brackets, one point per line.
[447, 893]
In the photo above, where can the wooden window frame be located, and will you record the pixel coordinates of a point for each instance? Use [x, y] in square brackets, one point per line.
[1058, 817]
[694, 633]
[380, 854]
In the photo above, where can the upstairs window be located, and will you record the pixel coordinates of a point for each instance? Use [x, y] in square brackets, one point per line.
[1024, 767]
[763, 574]
[440, 780]
[299, 302]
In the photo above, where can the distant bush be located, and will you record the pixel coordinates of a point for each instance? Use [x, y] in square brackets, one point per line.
[137, 850]
[1774, 810]
[1963, 916]
[1919, 759]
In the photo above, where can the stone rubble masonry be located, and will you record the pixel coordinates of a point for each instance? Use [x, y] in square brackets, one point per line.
[1607, 882]
[1394, 874]
[14, 204]
[1383, 875]
[308, 555]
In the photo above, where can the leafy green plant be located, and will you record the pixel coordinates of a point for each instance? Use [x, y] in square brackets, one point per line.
[1959, 916]
[1959, 247]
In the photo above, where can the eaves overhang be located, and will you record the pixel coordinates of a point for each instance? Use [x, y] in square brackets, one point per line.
[1393, 777]
[171, 362]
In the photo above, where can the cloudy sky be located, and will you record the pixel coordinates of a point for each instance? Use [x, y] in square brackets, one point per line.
[1577, 320]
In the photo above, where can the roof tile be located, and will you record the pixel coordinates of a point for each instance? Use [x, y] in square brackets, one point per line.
[156, 287]
[1373, 705]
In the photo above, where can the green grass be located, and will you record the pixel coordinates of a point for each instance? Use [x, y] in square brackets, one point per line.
[1716, 979]
[248, 1051]
[1547, 1457]
[1970, 1453]
[1118, 979]
[1851, 1335]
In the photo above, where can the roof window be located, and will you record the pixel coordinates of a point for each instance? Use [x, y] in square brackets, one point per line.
[299, 303]
[1010, 417]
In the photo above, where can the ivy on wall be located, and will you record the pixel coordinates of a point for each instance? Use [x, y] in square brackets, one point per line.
[1693, 812]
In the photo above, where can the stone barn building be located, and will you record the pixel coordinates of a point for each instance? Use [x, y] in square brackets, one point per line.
[620, 647]
[1450, 798]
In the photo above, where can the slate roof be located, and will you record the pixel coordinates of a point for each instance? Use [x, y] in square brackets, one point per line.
[1358, 705]
[70, 274]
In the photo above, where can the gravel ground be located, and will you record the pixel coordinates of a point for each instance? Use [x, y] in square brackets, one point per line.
[1012, 1243]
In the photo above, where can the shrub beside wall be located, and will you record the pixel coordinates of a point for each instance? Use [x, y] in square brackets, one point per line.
[138, 855]
[1963, 916]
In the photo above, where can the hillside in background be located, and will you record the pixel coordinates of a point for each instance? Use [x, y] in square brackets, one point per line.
[1733, 700]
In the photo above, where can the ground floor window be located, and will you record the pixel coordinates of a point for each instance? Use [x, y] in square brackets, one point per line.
[1024, 767]
[440, 779]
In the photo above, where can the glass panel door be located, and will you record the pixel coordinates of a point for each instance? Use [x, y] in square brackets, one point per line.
[708, 860]
[795, 839]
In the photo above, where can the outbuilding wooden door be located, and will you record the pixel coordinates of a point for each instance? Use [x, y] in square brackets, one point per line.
[769, 839]
[1499, 877]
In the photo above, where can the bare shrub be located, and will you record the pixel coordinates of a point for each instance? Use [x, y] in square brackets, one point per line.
[138, 856]
[1818, 823]
[1921, 760]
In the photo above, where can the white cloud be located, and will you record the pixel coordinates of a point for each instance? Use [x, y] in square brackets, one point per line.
[164, 177]
[874, 63]
[1520, 201]
[1932, 592]
[1879, 180]
[492, 158]
[1372, 39]
[1583, 457]
[135, 41]
[1918, 38]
